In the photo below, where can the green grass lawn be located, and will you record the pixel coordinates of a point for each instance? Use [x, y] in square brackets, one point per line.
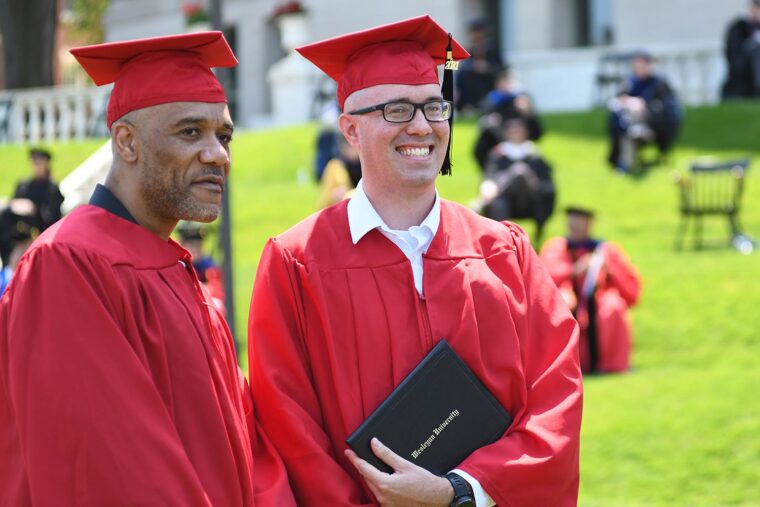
[682, 429]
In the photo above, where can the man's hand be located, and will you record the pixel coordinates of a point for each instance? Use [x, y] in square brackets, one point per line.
[409, 486]
[489, 190]
[23, 207]
[581, 265]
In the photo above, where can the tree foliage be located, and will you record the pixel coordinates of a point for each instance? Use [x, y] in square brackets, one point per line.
[88, 20]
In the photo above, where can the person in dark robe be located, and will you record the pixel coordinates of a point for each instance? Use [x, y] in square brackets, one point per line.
[743, 55]
[477, 74]
[506, 102]
[646, 111]
[36, 200]
[40, 190]
[599, 283]
[119, 383]
[17, 232]
[518, 181]
[348, 301]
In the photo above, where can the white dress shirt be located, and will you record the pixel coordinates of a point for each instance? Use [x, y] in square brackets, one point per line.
[362, 218]
[414, 242]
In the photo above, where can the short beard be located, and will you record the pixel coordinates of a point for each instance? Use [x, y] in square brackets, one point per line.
[168, 201]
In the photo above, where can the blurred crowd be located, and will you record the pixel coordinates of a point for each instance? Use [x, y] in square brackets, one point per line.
[644, 117]
[517, 180]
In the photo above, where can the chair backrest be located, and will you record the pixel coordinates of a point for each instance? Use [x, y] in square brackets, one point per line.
[714, 188]
[612, 70]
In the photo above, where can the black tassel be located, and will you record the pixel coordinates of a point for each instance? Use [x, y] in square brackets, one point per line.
[447, 90]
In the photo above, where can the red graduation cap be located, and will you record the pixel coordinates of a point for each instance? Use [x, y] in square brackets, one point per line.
[157, 70]
[406, 52]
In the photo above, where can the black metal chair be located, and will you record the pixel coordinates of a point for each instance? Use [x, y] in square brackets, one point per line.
[711, 189]
[612, 69]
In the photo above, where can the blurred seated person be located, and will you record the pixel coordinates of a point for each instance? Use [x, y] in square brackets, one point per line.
[505, 102]
[518, 181]
[17, 232]
[327, 142]
[342, 174]
[743, 55]
[191, 236]
[476, 76]
[36, 201]
[599, 284]
[39, 195]
[646, 111]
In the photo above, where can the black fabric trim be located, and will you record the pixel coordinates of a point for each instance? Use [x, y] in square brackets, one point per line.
[102, 197]
[593, 341]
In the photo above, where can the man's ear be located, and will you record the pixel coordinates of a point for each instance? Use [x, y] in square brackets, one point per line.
[124, 139]
[348, 125]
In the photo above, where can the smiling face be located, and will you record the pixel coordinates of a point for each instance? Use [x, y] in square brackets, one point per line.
[183, 162]
[396, 157]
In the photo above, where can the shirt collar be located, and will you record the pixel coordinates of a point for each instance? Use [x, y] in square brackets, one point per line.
[362, 216]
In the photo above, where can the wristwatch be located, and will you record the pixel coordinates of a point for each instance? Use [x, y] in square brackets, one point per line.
[463, 496]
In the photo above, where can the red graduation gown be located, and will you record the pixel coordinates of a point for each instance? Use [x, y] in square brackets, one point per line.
[118, 378]
[335, 327]
[617, 288]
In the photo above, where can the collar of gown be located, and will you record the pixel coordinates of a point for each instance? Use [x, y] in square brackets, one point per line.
[133, 244]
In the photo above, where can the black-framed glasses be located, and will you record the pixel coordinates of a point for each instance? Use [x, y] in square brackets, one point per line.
[402, 112]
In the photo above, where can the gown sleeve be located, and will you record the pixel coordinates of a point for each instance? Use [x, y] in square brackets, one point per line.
[270, 479]
[622, 274]
[91, 427]
[556, 261]
[282, 381]
[536, 461]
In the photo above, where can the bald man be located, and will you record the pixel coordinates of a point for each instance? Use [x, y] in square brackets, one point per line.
[119, 383]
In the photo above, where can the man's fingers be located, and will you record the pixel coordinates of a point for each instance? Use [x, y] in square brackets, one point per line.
[368, 471]
[387, 456]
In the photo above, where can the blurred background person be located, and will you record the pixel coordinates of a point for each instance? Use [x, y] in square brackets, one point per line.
[342, 174]
[743, 55]
[327, 137]
[36, 201]
[645, 111]
[599, 284]
[506, 101]
[477, 75]
[518, 181]
[191, 237]
[17, 233]
[39, 195]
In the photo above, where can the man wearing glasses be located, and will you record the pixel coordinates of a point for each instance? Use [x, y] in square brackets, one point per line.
[347, 302]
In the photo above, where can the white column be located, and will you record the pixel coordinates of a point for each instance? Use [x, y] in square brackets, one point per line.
[80, 116]
[35, 125]
[16, 127]
[64, 117]
[49, 118]
[292, 79]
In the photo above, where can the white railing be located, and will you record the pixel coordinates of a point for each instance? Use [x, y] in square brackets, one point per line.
[51, 114]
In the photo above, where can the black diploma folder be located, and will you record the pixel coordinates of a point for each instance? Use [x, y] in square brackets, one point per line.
[436, 417]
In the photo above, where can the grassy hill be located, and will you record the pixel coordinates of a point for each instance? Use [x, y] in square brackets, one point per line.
[682, 428]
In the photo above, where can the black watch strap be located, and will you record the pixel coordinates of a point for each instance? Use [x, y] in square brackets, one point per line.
[463, 496]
